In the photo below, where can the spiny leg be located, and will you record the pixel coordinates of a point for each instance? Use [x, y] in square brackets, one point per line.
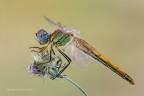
[68, 60]
[40, 49]
[64, 55]
[51, 52]
[35, 47]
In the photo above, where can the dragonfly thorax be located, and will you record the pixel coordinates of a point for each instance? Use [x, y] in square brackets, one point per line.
[60, 38]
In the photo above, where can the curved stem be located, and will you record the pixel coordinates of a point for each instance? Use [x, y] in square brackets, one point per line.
[75, 84]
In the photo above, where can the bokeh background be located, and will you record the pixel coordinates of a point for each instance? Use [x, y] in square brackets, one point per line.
[114, 27]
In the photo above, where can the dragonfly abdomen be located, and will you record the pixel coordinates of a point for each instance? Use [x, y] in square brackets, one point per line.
[91, 51]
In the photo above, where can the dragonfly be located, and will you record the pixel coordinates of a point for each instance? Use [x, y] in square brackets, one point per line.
[66, 41]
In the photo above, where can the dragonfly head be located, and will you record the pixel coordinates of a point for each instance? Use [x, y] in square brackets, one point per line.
[42, 36]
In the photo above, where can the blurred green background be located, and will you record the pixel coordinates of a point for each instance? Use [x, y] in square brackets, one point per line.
[114, 27]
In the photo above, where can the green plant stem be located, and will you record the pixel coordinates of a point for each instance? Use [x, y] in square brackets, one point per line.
[75, 84]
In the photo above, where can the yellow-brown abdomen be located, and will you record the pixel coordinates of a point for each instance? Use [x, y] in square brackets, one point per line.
[91, 51]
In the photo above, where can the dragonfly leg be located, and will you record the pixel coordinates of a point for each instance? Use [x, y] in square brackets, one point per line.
[35, 47]
[51, 52]
[40, 49]
[68, 60]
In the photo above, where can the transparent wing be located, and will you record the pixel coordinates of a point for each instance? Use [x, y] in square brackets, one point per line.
[77, 55]
[62, 27]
